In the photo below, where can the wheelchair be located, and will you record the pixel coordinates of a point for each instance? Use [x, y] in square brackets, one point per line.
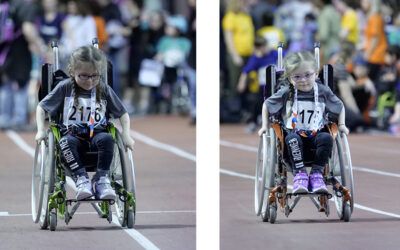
[50, 176]
[271, 188]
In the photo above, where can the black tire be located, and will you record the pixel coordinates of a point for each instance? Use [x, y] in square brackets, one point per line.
[346, 212]
[272, 214]
[53, 220]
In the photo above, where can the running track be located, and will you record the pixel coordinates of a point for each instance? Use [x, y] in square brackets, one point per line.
[166, 202]
[375, 222]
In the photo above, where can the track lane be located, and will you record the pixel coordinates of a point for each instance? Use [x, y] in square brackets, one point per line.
[165, 182]
[306, 228]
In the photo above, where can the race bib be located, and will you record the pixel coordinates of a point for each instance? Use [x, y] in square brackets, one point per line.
[81, 113]
[309, 117]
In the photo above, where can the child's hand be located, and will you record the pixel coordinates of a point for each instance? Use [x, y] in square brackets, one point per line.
[344, 129]
[128, 141]
[262, 131]
[40, 135]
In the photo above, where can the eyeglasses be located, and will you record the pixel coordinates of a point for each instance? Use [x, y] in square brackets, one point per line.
[306, 76]
[87, 77]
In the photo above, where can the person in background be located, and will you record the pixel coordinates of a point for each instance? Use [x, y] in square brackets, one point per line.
[238, 30]
[252, 80]
[375, 44]
[16, 62]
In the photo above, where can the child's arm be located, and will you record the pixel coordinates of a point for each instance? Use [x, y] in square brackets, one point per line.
[341, 122]
[126, 129]
[40, 120]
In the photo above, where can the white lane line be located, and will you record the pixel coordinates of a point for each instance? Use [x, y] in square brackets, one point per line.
[21, 143]
[163, 146]
[356, 168]
[362, 169]
[7, 214]
[356, 205]
[140, 238]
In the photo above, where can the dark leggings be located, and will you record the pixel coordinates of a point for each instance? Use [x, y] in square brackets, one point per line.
[322, 143]
[72, 149]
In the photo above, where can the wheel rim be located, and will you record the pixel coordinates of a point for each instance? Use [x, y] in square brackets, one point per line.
[38, 181]
[48, 173]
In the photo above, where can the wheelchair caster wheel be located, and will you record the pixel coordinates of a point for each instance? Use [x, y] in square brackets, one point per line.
[346, 212]
[287, 210]
[130, 219]
[272, 214]
[265, 214]
[53, 220]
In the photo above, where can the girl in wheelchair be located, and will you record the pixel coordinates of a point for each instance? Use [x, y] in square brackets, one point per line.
[303, 107]
[86, 102]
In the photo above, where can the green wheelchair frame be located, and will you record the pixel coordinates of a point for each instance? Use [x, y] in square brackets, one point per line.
[49, 176]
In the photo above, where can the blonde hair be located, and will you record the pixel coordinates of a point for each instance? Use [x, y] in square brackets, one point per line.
[88, 54]
[292, 61]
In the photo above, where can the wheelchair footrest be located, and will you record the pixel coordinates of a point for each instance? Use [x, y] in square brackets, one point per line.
[309, 194]
[89, 200]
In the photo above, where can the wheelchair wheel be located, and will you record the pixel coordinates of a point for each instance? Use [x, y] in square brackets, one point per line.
[48, 179]
[123, 174]
[265, 173]
[272, 213]
[343, 172]
[38, 181]
[53, 220]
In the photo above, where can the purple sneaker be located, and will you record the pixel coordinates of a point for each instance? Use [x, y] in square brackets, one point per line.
[300, 183]
[317, 183]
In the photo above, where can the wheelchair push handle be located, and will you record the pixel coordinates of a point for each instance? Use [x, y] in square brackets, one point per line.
[95, 42]
[317, 45]
[54, 46]
[280, 60]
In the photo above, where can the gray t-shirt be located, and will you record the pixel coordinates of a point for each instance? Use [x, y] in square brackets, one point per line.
[280, 105]
[58, 100]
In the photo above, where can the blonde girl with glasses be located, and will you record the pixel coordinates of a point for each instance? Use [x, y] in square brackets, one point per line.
[303, 107]
[86, 103]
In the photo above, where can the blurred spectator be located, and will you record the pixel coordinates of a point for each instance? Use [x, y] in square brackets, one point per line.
[257, 10]
[117, 38]
[49, 22]
[349, 20]
[252, 80]
[272, 34]
[309, 32]
[365, 91]
[79, 28]
[389, 75]
[290, 18]
[394, 33]
[239, 38]
[15, 69]
[173, 50]
[345, 83]
[328, 30]
[102, 35]
[375, 38]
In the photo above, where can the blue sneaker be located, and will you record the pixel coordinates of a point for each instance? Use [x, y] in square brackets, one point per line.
[103, 189]
[317, 183]
[84, 188]
[300, 183]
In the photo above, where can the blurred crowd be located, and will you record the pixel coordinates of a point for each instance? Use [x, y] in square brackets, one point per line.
[150, 43]
[360, 39]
